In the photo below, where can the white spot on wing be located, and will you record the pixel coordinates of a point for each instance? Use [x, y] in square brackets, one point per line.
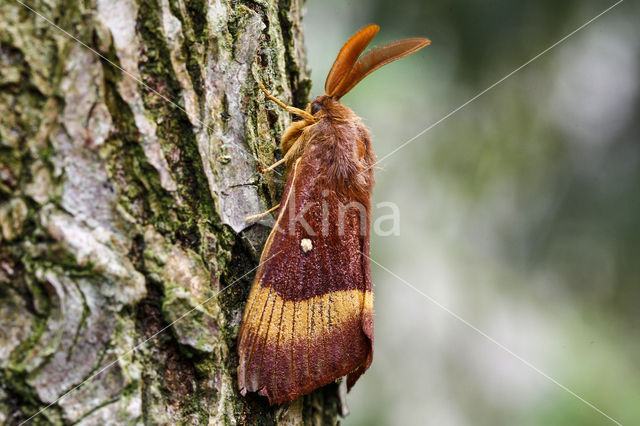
[306, 244]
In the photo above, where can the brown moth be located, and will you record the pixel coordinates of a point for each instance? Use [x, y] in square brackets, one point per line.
[309, 317]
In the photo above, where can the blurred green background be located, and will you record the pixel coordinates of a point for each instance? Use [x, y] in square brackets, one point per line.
[520, 213]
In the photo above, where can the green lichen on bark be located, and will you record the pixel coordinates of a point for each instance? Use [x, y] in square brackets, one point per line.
[124, 182]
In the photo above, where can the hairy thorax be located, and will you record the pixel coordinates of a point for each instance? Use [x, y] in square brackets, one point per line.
[338, 142]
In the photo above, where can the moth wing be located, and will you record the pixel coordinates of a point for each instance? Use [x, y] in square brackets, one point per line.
[376, 58]
[347, 57]
[309, 317]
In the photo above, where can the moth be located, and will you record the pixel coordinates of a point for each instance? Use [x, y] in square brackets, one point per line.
[309, 317]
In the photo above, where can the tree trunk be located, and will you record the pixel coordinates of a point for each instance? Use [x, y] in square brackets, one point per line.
[128, 161]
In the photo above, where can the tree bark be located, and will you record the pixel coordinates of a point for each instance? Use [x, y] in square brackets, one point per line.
[128, 161]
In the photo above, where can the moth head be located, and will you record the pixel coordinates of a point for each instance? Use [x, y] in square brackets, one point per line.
[349, 67]
[325, 106]
[319, 106]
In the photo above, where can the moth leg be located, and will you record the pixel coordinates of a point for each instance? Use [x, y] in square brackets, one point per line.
[293, 110]
[259, 215]
[272, 167]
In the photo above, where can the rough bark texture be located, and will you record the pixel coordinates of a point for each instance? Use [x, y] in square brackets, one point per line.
[121, 211]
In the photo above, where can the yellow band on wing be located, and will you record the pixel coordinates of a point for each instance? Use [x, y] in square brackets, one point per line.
[307, 319]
